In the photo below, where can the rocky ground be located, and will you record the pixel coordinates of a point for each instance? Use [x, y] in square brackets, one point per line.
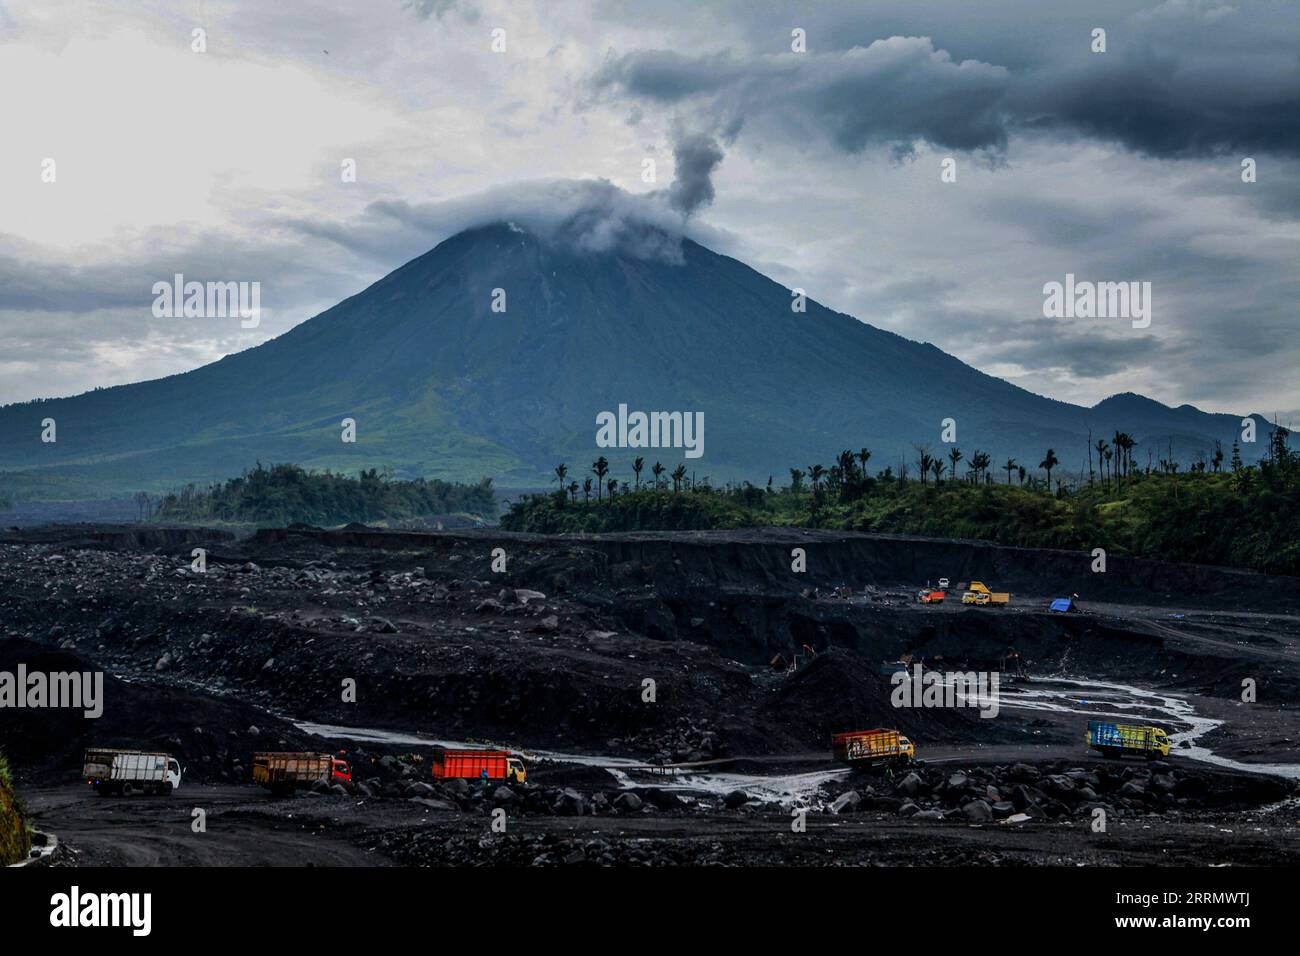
[553, 656]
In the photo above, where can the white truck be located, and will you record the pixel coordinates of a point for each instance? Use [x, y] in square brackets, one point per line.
[129, 772]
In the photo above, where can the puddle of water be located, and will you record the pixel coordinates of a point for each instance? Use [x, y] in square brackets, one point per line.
[1105, 699]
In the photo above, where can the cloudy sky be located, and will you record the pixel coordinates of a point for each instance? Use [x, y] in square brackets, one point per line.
[820, 168]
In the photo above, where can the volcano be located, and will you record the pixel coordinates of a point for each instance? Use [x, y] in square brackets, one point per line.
[495, 353]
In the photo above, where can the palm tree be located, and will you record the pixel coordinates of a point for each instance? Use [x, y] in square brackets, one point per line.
[573, 491]
[1020, 470]
[864, 456]
[657, 470]
[601, 467]
[636, 468]
[1129, 444]
[1101, 455]
[561, 472]
[1010, 466]
[847, 467]
[815, 474]
[980, 461]
[936, 465]
[612, 484]
[1047, 464]
[954, 456]
[1123, 445]
[586, 490]
[678, 474]
[923, 460]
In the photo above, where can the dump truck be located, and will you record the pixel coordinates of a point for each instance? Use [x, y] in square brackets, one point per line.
[978, 593]
[859, 748]
[928, 596]
[1116, 740]
[285, 772]
[478, 765]
[128, 772]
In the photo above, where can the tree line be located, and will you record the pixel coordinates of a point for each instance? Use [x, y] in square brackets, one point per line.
[1217, 510]
[287, 493]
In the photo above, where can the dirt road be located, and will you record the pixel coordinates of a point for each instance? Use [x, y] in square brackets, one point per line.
[244, 827]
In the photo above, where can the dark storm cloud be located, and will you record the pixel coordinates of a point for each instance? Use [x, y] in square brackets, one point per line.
[696, 156]
[1083, 355]
[893, 92]
[1183, 79]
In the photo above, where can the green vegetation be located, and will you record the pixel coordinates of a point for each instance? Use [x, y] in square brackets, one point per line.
[285, 494]
[1246, 516]
[15, 838]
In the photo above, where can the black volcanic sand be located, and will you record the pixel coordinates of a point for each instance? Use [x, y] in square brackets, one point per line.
[210, 666]
[210, 735]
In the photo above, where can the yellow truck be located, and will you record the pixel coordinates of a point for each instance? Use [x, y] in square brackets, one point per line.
[860, 748]
[978, 593]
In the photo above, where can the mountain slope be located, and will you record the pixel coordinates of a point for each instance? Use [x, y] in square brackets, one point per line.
[441, 385]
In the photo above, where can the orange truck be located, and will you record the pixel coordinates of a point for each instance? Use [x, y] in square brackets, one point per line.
[284, 772]
[859, 748]
[478, 765]
[929, 596]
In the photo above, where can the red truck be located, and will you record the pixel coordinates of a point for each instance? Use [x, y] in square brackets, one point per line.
[472, 764]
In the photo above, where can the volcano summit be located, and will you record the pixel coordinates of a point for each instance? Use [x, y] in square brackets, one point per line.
[442, 384]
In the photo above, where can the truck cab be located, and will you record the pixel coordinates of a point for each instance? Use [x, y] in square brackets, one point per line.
[906, 749]
[975, 597]
[340, 770]
[515, 771]
[173, 774]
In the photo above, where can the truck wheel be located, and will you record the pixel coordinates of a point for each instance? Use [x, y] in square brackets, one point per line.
[128, 790]
[168, 788]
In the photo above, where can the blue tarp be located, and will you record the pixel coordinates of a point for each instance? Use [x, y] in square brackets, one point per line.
[1063, 604]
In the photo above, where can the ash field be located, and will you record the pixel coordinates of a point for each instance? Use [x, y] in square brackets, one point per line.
[727, 761]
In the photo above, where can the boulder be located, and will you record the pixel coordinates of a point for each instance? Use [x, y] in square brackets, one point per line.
[909, 785]
[736, 799]
[846, 802]
[627, 802]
